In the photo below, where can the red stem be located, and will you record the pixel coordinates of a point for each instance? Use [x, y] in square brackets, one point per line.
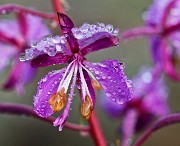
[95, 130]
[163, 122]
[19, 109]
[13, 8]
[57, 6]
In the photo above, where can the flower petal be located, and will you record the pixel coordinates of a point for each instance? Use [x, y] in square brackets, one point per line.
[128, 127]
[112, 109]
[6, 33]
[95, 37]
[110, 74]
[21, 74]
[46, 60]
[66, 25]
[7, 53]
[50, 46]
[153, 90]
[47, 86]
[36, 28]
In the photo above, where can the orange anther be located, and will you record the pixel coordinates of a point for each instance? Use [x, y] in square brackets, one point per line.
[95, 84]
[87, 108]
[58, 100]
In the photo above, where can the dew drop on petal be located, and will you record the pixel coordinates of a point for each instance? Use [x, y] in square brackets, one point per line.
[22, 57]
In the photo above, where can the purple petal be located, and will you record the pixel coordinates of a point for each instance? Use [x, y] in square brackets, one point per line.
[66, 25]
[155, 13]
[95, 37]
[110, 74]
[36, 28]
[128, 127]
[45, 60]
[155, 43]
[21, 74]
[47, 86]
[112, 109]
[154, 91]
[6, 33]
[50, 46]
[65, 22]
[6, 55]
[6, 27]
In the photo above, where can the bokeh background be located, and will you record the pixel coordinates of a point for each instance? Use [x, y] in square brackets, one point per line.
[124, 14]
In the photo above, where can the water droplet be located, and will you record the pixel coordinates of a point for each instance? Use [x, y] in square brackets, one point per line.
[96, 72]
[34, 44]
[109, 28]
[44, 79]
[116, 31]
[103, 77]
[22, 57]
[59, 48]
[108, 94]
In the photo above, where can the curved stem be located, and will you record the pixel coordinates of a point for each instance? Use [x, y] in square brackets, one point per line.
[13, 8]
[163, 122]
[95, 130]
[139, 32]
[167, 13]
[19, 109]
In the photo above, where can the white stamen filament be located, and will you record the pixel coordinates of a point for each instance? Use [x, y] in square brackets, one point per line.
[66, 80]
[90, 73]
[85, 89]
[66, 73]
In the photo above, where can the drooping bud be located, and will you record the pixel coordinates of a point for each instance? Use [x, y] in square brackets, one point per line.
[95, 84]
[87, 108]
[58, 100]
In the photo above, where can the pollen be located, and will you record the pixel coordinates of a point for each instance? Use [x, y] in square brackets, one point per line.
[86, 108]
[95, 84]
[58, 100]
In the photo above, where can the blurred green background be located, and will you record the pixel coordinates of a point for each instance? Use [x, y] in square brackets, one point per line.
[124, 14]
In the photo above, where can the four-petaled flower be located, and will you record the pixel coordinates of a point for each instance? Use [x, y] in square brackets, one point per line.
[149, 101]
[15, 36]
[162, 22]
[71, 48]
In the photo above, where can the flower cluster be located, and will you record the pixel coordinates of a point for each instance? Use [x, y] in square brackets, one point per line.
[162, 23]
[15, 36]
[71, 49]
[149, 101]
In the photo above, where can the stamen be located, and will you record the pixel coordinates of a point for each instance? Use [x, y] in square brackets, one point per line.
[95, 84]
[58, 100]
[65, 75]
[85, 90]
[87, 108]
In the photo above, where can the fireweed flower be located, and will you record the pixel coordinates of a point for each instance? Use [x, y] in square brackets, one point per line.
[15, 36]
[71, 48]
[149, 101]
[162, 23]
